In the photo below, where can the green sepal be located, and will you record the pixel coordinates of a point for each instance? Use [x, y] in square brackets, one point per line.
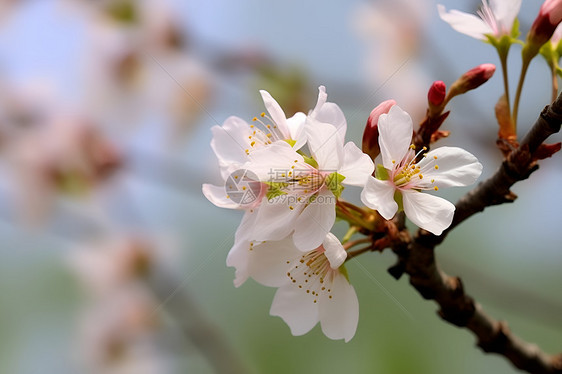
[515, 30]
[343, 270]
[399, 200]
[275, 189]
[291, 142]
[558, 49]
[503, 44]
[381, 173]
[333, 181]
[309, 160]
[549, 53]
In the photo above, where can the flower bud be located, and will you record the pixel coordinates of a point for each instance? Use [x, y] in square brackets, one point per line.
[472, 79]
[436, 93]
[550, 15]
[436, 99]
[371, 133]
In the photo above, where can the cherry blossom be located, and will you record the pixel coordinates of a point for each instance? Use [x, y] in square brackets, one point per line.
[303, 190]
[312, 286]
[236, 139]
[495, 18]
[401, 177]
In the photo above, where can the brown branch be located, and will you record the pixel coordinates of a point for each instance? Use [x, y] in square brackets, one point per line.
[460, 309]
[417, 258]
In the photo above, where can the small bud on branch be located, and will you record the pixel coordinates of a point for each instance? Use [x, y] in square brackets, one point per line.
[370, 144]
[470, 80]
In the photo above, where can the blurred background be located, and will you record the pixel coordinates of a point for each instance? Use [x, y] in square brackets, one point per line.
[105, 115]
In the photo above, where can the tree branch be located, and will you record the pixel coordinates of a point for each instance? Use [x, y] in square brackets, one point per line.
[417, 258]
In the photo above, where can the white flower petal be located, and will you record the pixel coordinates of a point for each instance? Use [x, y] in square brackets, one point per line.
[428, 212]
[395, 136]
[238, 254]
[296, 129]
[244, 230]
[325, 144]
[379, 195]
[356, 166]
[457, 167]
[268, 261]
[329, 113]
[296, 308]
[315, 221]
[340, 314]
[230, 142]
[238, 258]
[465, 23]
[276, 113]
[271, 162]
[218, 196]
[334, 251]
[505, 12]
[275, 219]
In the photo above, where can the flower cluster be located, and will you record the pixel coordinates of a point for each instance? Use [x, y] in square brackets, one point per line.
[289, 197]
[287, 175]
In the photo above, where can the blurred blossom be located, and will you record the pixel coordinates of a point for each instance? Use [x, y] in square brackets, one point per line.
[138, 66]
[113, 264]
[60, 154]
[119, 334]
[393, 31]
[24, 107]
[120, 328]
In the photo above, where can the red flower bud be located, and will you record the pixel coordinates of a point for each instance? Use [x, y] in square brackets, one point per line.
[472, 79]
[436, 93]
[550, 15]
[371, 133]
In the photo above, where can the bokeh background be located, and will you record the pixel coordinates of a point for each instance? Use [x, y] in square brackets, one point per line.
[105, 115]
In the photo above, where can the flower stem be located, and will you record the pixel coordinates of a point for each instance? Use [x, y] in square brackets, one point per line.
[353, 243]
[503, 61]
[352, 230]
[554, 84]
[357, 252]
[353, 214]
[524, 67]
